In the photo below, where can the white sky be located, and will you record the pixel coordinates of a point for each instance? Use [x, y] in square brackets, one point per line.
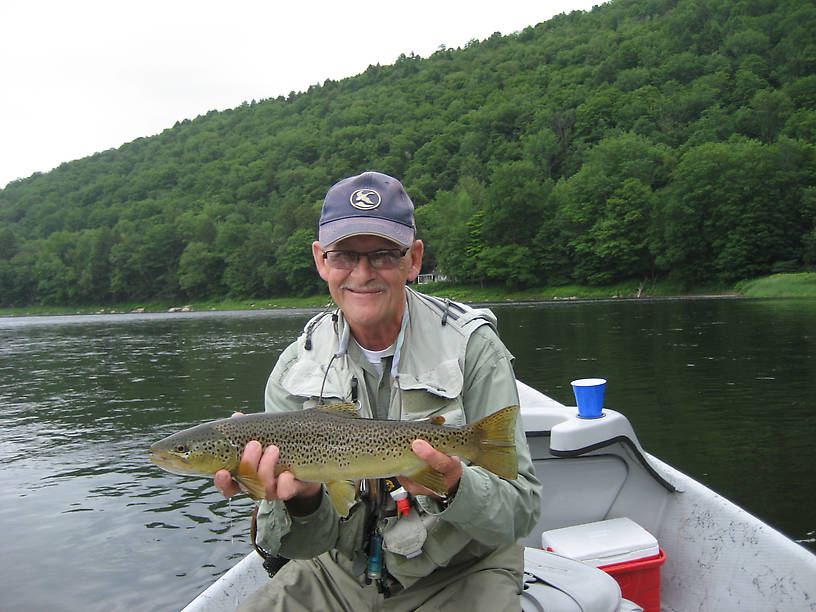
[81, 76]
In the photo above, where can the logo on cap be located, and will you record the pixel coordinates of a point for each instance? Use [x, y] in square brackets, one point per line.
[365, 199]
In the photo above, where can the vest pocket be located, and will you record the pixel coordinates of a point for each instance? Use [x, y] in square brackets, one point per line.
[418, 404]
[306, 379]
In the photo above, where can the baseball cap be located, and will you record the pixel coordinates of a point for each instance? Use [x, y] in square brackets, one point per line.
[369, 203]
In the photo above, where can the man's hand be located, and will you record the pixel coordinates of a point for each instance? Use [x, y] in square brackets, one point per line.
[303, 496]
[449, 467]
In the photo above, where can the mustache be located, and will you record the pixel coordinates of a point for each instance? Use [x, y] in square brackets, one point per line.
[365, 287]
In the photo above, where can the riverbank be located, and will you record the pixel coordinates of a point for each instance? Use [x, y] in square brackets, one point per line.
[802, 284]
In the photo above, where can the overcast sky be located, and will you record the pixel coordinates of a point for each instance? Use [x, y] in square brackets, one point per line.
[81, 76]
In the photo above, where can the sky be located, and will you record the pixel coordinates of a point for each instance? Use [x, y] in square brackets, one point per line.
[82, 76]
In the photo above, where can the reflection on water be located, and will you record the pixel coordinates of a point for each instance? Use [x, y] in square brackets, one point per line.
[81, 399]
[719, 388]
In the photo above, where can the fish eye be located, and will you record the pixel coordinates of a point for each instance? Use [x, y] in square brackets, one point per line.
[180, 448]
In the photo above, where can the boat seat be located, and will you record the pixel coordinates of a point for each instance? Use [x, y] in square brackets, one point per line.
[554, 583]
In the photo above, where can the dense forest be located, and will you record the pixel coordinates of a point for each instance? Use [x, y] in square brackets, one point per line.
[643, 139]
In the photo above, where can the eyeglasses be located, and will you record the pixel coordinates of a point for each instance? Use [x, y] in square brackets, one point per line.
[381, 259]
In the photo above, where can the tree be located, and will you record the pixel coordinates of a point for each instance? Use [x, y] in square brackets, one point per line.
[295, 261]
[200, 270]
[514, 203]
[443, 224]
[616, 246]
[251, 271]
[733, 209]
[145, 264]
[92, 261]
[510, 264]
[767, 113]
[602, 219]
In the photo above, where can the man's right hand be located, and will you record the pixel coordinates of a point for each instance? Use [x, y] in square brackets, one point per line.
[301, 497]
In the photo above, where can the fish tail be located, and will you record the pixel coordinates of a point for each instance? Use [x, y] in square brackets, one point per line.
[497, 443]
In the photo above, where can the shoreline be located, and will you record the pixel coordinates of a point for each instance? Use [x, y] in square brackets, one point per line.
[797, 285]
[310, 304]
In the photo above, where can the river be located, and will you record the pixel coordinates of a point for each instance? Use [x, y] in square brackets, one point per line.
[720, 388]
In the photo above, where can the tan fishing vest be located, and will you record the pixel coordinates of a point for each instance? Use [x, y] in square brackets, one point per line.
[431, 362]
[431, 377]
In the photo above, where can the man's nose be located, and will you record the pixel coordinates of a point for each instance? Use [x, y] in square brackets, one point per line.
[363, 267]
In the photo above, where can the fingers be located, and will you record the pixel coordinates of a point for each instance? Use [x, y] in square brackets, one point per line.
[223, 479]
[252, 453]
[225, 484]
[266, 470]
[288, 486]
[439, 461]
[264, 462]
[449, 466]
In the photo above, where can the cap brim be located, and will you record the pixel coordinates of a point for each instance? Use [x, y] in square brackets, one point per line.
[333, 231]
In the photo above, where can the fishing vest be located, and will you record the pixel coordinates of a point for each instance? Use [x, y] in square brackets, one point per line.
[431, 373]
[431, 362]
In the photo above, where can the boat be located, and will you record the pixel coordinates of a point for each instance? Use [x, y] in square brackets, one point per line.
[602, 488]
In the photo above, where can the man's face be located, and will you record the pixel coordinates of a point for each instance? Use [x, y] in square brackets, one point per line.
[372, 300]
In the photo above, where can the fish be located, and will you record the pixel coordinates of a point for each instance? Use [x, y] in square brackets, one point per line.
[332, 444]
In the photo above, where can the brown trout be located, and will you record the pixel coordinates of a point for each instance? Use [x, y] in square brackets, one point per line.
[333, 445]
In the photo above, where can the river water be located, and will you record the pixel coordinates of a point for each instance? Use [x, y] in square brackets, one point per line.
[720, 388]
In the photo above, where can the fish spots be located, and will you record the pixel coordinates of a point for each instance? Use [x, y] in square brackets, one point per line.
[326, 439]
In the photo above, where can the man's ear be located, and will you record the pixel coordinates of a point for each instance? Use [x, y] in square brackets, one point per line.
[417, 249]
[320, 263]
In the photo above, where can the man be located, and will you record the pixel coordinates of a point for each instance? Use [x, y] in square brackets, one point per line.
[399, 355]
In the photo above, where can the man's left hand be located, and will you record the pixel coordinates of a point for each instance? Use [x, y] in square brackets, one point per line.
[450, 467]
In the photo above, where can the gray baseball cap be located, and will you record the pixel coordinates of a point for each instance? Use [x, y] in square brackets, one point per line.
[369, 203]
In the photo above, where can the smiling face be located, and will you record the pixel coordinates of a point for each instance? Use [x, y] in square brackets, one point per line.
[372, 301]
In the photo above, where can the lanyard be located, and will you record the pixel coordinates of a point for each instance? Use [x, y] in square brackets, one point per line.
[342, 349]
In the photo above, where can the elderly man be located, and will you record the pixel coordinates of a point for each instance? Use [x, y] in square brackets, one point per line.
[399, 355]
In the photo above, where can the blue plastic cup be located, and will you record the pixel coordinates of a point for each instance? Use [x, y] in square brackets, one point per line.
[589, 393]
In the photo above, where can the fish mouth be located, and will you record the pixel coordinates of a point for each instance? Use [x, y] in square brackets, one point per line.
[163, 459]
[199, 466]
[173, 464]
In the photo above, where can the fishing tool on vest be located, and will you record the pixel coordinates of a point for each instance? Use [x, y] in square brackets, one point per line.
[400, 496]
[376, 570]
[375, 561]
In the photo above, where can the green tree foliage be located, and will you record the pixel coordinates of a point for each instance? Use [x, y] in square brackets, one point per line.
[643, 138]
[444, 226]
[735, 209]
[296, 262]
[200, 271]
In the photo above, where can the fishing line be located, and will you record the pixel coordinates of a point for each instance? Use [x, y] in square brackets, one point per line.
[397, 355]
[230, 522]
[341, 350]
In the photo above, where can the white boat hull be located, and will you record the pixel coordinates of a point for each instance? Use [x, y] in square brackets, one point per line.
[719, 558]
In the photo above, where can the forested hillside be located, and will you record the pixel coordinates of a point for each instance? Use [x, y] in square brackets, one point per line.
[643, 139]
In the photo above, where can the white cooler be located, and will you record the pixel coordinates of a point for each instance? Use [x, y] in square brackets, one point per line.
[620, 547]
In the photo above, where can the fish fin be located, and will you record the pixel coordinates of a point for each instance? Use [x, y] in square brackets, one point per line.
[344, 410]
[430, 479]
[248, 477]
[341, 493]
[437, 420]
[497, 443]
